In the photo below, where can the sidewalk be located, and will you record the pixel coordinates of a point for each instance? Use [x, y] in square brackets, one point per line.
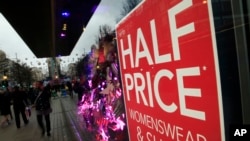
[66, 125]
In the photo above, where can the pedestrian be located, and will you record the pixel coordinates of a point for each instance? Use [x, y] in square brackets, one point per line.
[43, 107]
[31, 94]
[5, 105]
[70, 89]
[77, 88]
[19, 104]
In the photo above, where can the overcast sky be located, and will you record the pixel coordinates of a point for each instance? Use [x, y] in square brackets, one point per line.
[107, 12]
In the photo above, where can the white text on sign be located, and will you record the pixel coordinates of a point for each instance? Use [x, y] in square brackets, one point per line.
[143, 84]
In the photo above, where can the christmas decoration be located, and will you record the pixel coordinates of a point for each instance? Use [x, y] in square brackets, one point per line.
[102, 106]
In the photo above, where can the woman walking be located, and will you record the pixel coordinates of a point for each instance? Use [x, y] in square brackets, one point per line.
[5, 106]
[43, 107]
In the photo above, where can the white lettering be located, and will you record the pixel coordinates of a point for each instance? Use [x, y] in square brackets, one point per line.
[174, 132]
[243, 131]
[158, 58]
[150, 92]
[183, 92]
[129, 86]
[189, 136]
[240, 132]
[201, 138]
[141, 54]
[138, 77]
[237, 132]
[170, 131]
[127, 52]
[141, 84]
[178, 133]
[168, 108]
[149, 136]
[181, 31]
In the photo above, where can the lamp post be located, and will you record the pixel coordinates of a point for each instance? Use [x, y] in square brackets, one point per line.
[5, 77]
[5, 80]
[3, 65]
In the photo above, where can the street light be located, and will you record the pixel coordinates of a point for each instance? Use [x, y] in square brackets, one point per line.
[5, 77]
[5, 81]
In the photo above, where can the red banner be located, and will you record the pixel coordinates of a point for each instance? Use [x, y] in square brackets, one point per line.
[170, 74]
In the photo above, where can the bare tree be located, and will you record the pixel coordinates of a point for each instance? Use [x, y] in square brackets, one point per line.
[22, 74]
[129, 5]
[103, 31]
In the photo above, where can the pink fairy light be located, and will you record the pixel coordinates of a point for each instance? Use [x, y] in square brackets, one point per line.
[63, 34]
[118, 92]
[103, 83]
[119, 124]
[104, 136]
[90, 83]
[83, 108]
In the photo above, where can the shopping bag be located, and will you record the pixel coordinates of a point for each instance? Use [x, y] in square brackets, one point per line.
[28, 112]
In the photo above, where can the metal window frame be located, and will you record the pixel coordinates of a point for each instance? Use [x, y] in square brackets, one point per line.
[242, 55]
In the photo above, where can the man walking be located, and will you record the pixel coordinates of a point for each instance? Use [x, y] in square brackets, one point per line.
[19, 100]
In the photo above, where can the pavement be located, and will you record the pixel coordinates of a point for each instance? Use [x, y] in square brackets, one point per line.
[66, 124]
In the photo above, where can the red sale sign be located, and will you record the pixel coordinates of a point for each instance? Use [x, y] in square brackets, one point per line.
[169, 70]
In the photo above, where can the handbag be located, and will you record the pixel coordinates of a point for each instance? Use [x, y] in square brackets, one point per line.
[27, 109]
[28, 112]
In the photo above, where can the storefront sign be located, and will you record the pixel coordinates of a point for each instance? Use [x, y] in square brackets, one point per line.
[169, 69]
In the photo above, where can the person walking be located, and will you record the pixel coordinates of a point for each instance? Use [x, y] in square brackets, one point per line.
[77, 88]
[19, 104]
[5, 106]
[70, 89]
[43, 107]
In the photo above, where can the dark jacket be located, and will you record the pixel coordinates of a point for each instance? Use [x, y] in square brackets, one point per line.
[42, 101]
[19, 98]
[5, 103]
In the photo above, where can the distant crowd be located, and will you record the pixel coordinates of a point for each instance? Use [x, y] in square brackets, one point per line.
[38, 96]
